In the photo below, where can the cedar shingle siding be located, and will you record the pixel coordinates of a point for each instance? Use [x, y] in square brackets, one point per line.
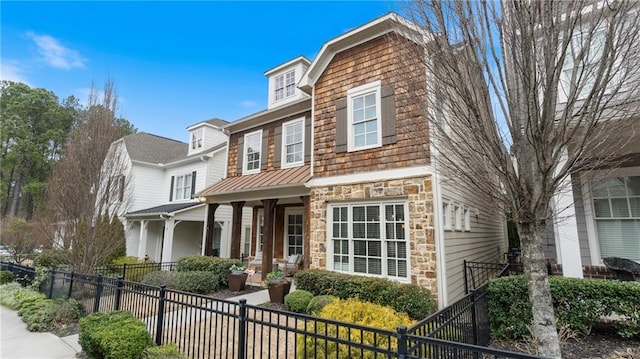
[405, 144]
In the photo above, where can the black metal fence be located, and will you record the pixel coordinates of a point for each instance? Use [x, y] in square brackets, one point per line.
[477, 274]
[205, 327]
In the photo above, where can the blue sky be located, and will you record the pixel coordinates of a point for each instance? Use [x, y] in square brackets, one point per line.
[173, 63]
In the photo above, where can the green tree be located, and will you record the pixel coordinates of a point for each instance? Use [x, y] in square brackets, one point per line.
[33, 129]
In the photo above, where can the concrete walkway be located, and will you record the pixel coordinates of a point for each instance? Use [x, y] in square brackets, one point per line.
[16, 342]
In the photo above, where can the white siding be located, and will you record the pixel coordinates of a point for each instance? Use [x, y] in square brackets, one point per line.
[149, 187]
[213, 137]
[199, 167]
[216, 167]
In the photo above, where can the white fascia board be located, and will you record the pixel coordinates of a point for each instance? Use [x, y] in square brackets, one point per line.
[299, 59]
[373, 176]
[267, 116]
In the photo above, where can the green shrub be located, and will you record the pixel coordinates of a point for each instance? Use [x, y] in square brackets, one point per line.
[578, 303]
[136, 272]
[318, 302]
[298, 301]
[6, 277]
[166, 351]
[113, 335]
[52, 258]
[197, 282]
[8, 294]
[220, 266]
[416, 301]
[358, 312]
[159, 278]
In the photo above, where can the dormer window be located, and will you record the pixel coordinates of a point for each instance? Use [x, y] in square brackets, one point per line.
[196, 140]
[285, 85]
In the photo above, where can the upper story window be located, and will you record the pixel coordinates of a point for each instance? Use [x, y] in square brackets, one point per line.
[364, 117]
[182, 187]
[293, 142]
[285, 85]
[581, 64]
[252, 149]
[196, 139]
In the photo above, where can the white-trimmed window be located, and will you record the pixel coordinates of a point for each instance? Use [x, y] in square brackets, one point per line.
[252, 148]
[285, 85]
[294, 232]
[580, 65]
[260, 233]
[446, 216]
[364, 125]
[616, 204]
[293, 143]
[466, 213]
[369, 238]
[457, 217]
[182, 187]
[196, 139]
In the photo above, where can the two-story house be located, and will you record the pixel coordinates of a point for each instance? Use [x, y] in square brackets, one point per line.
[340, 168]
[163, 219]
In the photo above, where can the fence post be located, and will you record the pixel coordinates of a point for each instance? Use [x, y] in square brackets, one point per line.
[118, 293]
[402, 342]
[160, 316]
[474, 318]
[70, 286]
[53, 280]
[124, 270]
[242, 329]
[466, 285]
[96, 302]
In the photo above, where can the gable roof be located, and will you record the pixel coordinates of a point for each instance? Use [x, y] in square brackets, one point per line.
[146, 147]
[218, 122]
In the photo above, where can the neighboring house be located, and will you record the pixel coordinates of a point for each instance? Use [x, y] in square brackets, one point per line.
[158, 178]
[598, 211]
[340, 168]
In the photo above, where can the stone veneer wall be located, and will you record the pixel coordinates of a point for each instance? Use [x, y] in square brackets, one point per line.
[417, 191]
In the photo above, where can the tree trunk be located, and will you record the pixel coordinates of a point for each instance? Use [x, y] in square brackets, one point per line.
[544, 322]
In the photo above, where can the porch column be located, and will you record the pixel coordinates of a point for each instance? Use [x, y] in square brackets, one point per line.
[306, 232]
[565, 227]
[210, 225]
[267, 244]
[142, 242]
[167, 241]
[236, 229]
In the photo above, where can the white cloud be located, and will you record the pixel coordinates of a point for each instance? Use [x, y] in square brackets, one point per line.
[56, 55]
[10, 70]
[248, 104]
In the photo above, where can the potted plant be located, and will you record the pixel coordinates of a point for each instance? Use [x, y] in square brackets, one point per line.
[278, 286]
[237, 278]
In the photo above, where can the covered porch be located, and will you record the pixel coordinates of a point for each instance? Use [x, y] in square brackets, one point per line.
[279, 228]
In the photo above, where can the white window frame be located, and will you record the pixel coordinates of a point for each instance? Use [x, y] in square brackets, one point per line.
[285, 126]
[196, 139]
[179, 191]
[373, 87]
[288, 85]
[259, 230]
[294, 212]
[446, 215]
[466, 212]
[457, 217]
[570, 66]
[383, 239]
[245, 153]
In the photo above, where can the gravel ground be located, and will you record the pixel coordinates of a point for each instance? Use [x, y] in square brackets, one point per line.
[603, 342]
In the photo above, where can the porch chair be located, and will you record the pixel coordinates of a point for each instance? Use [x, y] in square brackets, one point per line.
[256, 262]
[293, 264]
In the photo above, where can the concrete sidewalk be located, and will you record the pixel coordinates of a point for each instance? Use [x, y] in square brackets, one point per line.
[16, 342]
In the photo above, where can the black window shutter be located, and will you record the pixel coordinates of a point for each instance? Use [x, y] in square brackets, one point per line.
[341, 125]
[193, 183]
[388, 110]
[264, 151]
[277, 147]
[240, 155]
[121, 188]
[307, 139]
[171, 189]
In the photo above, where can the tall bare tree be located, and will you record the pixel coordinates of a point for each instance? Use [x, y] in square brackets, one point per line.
[525, 94]
[84, 193]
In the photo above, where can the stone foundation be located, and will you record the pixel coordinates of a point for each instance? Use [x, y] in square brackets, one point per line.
[419, 196]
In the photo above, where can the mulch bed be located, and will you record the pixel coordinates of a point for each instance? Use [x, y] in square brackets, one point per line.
[603, 342]
[225, 293]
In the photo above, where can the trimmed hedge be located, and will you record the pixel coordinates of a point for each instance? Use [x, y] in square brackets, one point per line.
[218, 265]
[352, 311]
[52, 258]
[6, 277]
[113, 335]
[578, 303]
[414, 300]
[135, 274]
[298, 301]
[197, 282]
[159, 278]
